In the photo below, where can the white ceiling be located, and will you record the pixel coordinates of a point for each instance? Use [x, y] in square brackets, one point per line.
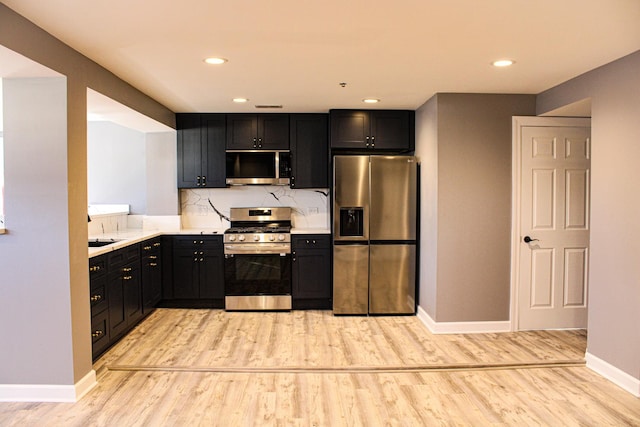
[295, 53]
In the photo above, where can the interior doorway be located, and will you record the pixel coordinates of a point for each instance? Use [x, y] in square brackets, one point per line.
[550, 227]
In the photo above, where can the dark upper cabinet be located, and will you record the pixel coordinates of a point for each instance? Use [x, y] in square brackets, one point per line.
[388, 130]
[311, 271]
[257, 131]
[309, 150]
[201, 147]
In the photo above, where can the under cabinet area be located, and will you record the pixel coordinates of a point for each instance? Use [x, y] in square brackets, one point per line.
[383, 130]
[311, 275]
[198, 272]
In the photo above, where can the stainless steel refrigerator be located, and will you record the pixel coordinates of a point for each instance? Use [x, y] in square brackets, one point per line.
[374, 234]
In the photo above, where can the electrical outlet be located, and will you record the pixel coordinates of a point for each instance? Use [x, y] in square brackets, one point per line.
[312, 210]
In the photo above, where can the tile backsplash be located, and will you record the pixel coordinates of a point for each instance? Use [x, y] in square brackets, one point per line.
[310, 207]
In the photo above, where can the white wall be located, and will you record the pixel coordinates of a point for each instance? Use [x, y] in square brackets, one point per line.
[116, 166]
[161, 173]
[35, 301]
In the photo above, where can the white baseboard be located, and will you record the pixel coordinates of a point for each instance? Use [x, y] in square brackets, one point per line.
[461, 327]
[47, 392]
[613, 374]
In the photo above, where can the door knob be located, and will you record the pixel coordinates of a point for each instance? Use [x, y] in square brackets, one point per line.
[528, 239]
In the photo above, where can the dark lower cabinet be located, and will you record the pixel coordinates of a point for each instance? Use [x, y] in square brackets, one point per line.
[99, 304]
[151, 273]
[311, 275]
[198, 272]
[124, 291]
[125, 286]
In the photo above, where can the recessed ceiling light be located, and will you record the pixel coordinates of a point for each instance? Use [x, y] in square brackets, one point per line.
[503, 63]
[215, 61]
[370, 100]
[240, 100]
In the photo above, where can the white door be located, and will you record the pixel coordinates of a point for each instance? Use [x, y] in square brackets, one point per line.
[553, 235]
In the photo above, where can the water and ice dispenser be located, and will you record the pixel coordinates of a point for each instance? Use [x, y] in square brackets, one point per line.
[352, 222]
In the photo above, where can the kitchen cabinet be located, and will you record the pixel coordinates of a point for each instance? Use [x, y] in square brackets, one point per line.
[257, 131]
[151, 273]
[198, 271]
[124, 290]
[383, 130]
[311, 275]
[99, 305]
[201, 150]
[309, 136]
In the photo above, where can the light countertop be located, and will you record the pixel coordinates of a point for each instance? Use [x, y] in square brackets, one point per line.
[130, 236]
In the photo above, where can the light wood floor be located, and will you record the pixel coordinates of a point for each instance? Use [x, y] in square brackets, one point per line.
[310, 368]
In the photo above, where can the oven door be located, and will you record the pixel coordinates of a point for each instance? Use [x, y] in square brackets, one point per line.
[257, 281]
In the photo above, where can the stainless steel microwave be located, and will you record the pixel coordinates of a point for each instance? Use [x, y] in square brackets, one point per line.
[266, 167]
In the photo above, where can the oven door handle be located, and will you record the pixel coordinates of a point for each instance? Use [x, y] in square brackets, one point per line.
[261, 249]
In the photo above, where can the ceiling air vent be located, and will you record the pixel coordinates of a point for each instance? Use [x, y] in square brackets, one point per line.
[268, 106]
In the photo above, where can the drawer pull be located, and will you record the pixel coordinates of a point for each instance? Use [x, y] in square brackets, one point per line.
[153, 264]
[94, 268]
[127, 278]
[127, 269]
[147, 248]
[153, 257]
[156, 244]
[95, 298]
[97, 334]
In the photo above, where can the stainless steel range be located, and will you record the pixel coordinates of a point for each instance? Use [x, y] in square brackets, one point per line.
[257, 266]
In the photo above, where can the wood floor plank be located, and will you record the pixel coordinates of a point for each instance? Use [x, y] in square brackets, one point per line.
[310, 368]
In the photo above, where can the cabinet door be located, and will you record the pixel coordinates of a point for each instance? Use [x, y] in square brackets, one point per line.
[186, 273]
[117, 312]
[132, 289]
[311, 273]
[99, 333]
[349, 129]
[213, 158]
[309, 151]
[189, 150]
[242, 131]
[273, 131]
[391, 130]
[151, 274]
[212, 275]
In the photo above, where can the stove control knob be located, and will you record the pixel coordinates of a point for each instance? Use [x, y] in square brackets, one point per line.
[272, 237]
[232, 238]
[256, 238]
[241, 238]
[281, 237]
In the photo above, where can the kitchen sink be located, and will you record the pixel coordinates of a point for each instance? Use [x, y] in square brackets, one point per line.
[97, 243]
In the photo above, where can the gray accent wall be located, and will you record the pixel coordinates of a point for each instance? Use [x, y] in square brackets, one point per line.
[614, 270]
[464, 144]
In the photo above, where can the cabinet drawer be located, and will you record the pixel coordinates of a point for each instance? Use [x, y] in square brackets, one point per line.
[151, 245]
[98, 296]
[124, 255]
[195, 242]
[97, 266]
[100, 333]
[319, 241]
